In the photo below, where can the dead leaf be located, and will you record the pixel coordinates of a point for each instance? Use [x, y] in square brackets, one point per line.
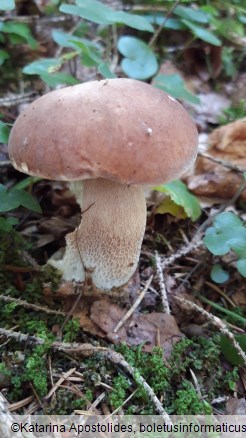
[236, 406]
[239, 297]
[140, 328]
[227, 143]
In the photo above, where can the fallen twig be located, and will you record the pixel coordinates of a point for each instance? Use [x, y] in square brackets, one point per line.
[224, 163]
[27, 305]
[181, 252]
[134, 306]
[164, 298]
[217, 323]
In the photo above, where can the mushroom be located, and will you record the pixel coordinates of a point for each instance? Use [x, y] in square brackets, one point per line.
[107, 138]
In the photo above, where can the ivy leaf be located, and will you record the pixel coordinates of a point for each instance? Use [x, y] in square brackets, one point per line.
[140, 61]
[174, 85]
[7, 5]
[218, 274]
[99, 13]
[179, 193]
[228, 233]
[230, 351]
[4, 133]
[241, 266]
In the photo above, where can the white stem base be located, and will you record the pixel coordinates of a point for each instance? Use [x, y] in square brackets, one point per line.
[106, 245]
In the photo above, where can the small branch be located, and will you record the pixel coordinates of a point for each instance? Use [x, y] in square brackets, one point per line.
[217, 323]
[223, 163]
[164, 298]
[88, 349]
[134, 306]
[16, 99]
[181, 252]
[27, 305]
[160, 28]
[59, 382]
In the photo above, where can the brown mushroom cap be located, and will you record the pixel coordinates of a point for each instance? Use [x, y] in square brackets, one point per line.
[119, 129]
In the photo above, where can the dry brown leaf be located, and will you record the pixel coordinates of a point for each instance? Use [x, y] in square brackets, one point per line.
[227, 143]
[239, 298]
[236, 406]
[139, 328]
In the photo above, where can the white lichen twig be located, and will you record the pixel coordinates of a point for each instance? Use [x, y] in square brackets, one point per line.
[217, 323]
[164, 297]
[134, 306]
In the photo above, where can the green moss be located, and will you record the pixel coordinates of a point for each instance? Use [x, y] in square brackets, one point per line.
[71, 330]
[187, 400]
[120, 385]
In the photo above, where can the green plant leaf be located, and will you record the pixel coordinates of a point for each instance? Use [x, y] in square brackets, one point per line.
[140, 61]
[234, 317]
[241, 266]
[22, 30]
[105, 71]
[3, 56]
[203, 34]
[7, 5]
[65, 39]
[13, 198]
[6, 224]
[228, 233]
[230, 351]
[218, 274]
[179, 193]
[47, 69]
[174, 85]
[43, 65]
[170, 23]
[89, 50]
[4, 133]
[54, 79]
[191, 14]
[167, 205]
[99, 13]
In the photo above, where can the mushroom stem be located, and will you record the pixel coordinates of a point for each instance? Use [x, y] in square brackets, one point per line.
[106, 245]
